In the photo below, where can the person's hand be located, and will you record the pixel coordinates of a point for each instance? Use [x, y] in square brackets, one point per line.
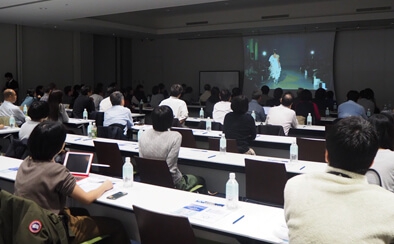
[107, 185]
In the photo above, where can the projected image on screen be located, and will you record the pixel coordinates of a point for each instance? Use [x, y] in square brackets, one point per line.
[289, 61]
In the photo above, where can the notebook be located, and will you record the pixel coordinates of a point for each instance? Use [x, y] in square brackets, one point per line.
[78, 163]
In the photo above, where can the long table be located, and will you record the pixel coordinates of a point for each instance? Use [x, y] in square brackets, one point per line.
[268, 145]
[212, 165]
[260, 222]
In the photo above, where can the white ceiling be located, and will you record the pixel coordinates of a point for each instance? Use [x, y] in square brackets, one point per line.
[197, 18]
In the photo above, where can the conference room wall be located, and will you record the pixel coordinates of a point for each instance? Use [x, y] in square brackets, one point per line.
[8, 62]
[362, 58]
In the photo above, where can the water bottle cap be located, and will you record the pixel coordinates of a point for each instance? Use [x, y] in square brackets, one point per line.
[127, 159]
[232, 175]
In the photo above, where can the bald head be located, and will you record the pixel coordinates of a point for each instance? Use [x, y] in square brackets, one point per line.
[9, 95]
[287, 99]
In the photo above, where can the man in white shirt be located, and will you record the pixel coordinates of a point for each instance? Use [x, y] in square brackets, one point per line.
[118, 114]
[8, 108]
[178, 106]
[283, 114]
[220, 109]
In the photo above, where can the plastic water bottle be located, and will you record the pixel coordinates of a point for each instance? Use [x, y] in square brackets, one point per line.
[201, 113]
[25, 109]
[369, 113]
[85, 114]
[223, 144]
[12, 121]
[254, 115]
[384, 107]
[139, 134]
[327, 112]
[90, 129]
[309, 119]
[232, 192]
[294, 152]
[93, 131]
[209, 124]
[128, 173]
[334, 106]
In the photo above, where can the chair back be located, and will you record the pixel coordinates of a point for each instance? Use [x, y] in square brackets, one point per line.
[214, 144]
[265, 181]
[188, 139]
[99, 117]
[275, 130]
[215, 125]
[111, 132]
[311, 149]
[154, 172]
[163, 228]
[109, 153]
[17, 149]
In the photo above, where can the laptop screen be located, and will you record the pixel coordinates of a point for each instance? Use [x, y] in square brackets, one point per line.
[78, 162]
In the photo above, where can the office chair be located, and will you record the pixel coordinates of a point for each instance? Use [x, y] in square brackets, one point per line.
[188, 139]
[275, 130]
[111, 132]
[109, 153]
[311, 149]
[154, 172]
[163, 228]
[215, 125]
[265, 181]
[214, 144]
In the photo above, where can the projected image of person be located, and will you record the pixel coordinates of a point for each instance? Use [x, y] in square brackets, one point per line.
[275, 67]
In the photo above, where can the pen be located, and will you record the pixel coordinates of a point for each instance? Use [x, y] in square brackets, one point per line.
[87, 139]
[211, 203]
[302, 167]
[212, 156]
[77, 139]
[206, 132]
[238, 219]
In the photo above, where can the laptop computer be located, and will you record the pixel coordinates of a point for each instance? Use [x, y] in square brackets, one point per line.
[78, 163]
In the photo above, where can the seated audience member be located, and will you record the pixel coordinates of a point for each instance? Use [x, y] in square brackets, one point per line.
[235, 92]
[39, 92]
[320, 100]
[178, 106]
[47, 90]
[339, 206]
[82, 102]
[264, 95]
[254, 105]
[276, 100]
[188, 95]
[206, 94]
[105, 104]
[306, 106]
[366, 102]
[351, 107]
[330, 100]
[68, 97]
[211, 101]
[29, 99]
[97, 95]
[57, 112]
[222, 107]
[118, 114]
[384, 159]
[7, 108]
[38, 112]
[297, 99]
[283, 115]
[162, 144]
[156, 97]
[42, 180]
[240, 125]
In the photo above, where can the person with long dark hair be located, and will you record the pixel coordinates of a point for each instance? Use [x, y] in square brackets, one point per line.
[57, 112]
